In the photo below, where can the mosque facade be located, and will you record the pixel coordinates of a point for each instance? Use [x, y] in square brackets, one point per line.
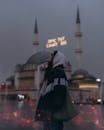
[82, 85]
[87, 85]
[28, 76]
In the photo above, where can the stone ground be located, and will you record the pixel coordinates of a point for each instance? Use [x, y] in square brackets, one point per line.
[20, 116]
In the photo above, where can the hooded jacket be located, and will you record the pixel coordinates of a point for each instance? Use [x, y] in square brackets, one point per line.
[56, 82]
[54, 94]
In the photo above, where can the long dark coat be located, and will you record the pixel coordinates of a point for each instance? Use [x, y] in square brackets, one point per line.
[53, 100]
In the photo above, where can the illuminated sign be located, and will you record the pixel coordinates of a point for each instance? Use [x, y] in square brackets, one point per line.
[56, 41]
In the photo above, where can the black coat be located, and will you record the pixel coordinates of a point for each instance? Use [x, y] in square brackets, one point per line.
[53, 100]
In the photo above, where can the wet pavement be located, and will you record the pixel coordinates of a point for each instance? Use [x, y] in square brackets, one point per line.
[20, 116]
[91, 117]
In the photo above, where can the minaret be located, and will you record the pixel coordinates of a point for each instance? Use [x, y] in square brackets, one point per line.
[78, 35]
[37, 70]
[36, 36]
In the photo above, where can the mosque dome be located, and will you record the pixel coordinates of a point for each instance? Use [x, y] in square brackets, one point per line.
[38, 58]
[82, 74]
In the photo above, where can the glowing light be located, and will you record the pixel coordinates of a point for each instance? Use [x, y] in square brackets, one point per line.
[51, 43]
[21, 97]
[97, 122]
[98, 80]
[15, 114]
[56, 41]
[62, 41]
[99, 100]
[88, 86]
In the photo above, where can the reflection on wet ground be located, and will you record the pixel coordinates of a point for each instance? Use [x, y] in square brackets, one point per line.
[20, 116]
[16, 114]
[89, 118]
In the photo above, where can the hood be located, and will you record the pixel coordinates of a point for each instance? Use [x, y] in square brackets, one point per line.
[59, 59]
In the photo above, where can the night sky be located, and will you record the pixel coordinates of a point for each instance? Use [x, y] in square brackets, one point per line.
[55, 18]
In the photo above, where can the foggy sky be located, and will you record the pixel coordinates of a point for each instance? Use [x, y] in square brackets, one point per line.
[55, 18]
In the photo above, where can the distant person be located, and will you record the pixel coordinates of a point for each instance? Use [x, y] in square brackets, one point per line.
[53, 94]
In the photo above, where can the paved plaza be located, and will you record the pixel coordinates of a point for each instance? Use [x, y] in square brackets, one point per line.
[20, 116]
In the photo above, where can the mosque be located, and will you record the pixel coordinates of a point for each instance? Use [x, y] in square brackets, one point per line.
[87, 84]
[29, 75]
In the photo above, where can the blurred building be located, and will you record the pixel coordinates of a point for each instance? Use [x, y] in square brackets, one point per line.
[83, 86]
[86, 85]
[30, 74]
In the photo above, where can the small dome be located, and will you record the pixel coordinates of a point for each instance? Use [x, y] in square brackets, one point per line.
[82, 74]
[11, 78]
[38, 58]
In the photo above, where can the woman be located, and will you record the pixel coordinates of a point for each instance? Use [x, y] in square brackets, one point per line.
[53, 96]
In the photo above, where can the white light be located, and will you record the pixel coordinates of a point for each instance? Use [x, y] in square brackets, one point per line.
[61, 40]
[99, 100]
[21, 96]
[51, 43]
[63, 43]
[98, 80]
